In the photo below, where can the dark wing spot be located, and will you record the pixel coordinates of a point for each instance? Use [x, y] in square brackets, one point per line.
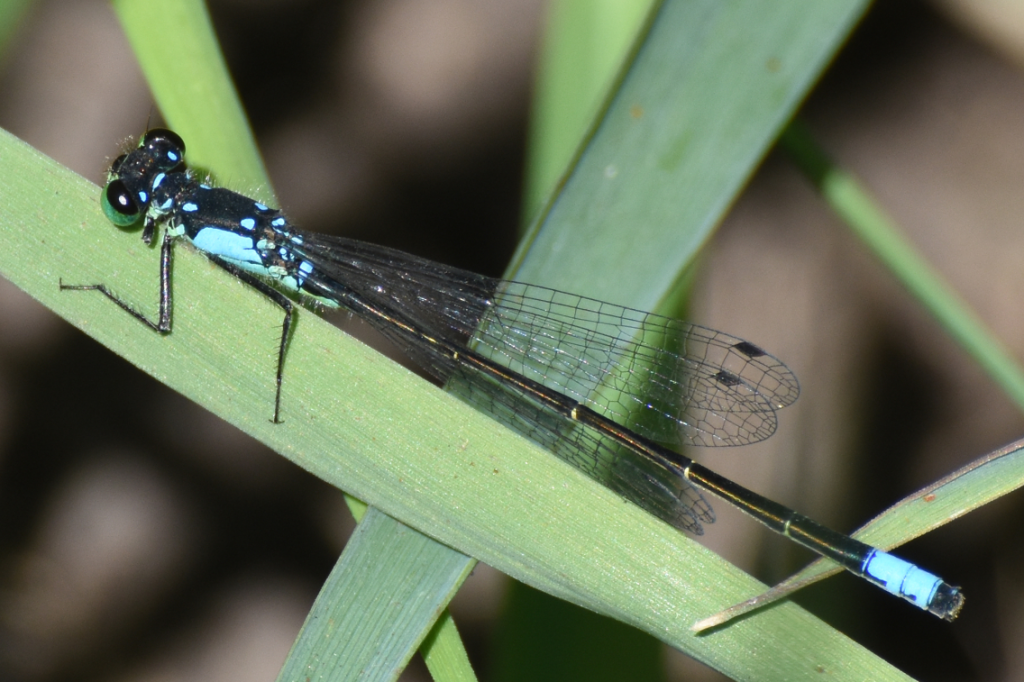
[749, 349]
[728, 378]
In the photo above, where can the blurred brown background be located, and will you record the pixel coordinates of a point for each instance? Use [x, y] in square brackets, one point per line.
[143, 539]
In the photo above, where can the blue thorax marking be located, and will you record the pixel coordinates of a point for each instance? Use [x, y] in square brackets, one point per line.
[231, 246]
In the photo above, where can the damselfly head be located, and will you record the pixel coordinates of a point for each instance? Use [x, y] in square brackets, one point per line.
[133, 176]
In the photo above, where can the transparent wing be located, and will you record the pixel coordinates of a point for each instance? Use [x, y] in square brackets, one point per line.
[668, 380]
[665, 379]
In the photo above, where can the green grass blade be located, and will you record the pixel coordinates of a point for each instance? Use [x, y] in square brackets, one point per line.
[854, 204]
[585, 44]
[12, 12]
[193, 89]
[366, 425]
[442, 647]
[444, 654]
[706, 97]
[373, 604]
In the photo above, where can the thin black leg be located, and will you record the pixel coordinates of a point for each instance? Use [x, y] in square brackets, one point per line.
[285, 304]
[163, 323]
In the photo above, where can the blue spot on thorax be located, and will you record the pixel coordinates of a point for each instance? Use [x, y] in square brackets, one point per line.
[231, 246]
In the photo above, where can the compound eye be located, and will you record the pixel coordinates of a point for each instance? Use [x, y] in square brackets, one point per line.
[163, 134]
[116, 165]
[166, 149]
[120, 207]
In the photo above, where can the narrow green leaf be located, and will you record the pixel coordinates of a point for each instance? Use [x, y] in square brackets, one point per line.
[708, 93]
[585, 45]
[362, 623]
[879, 232]
[444, 654]
[193, 89]
[12, 12]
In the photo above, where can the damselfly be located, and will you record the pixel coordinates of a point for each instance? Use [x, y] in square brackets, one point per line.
[600, 385]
